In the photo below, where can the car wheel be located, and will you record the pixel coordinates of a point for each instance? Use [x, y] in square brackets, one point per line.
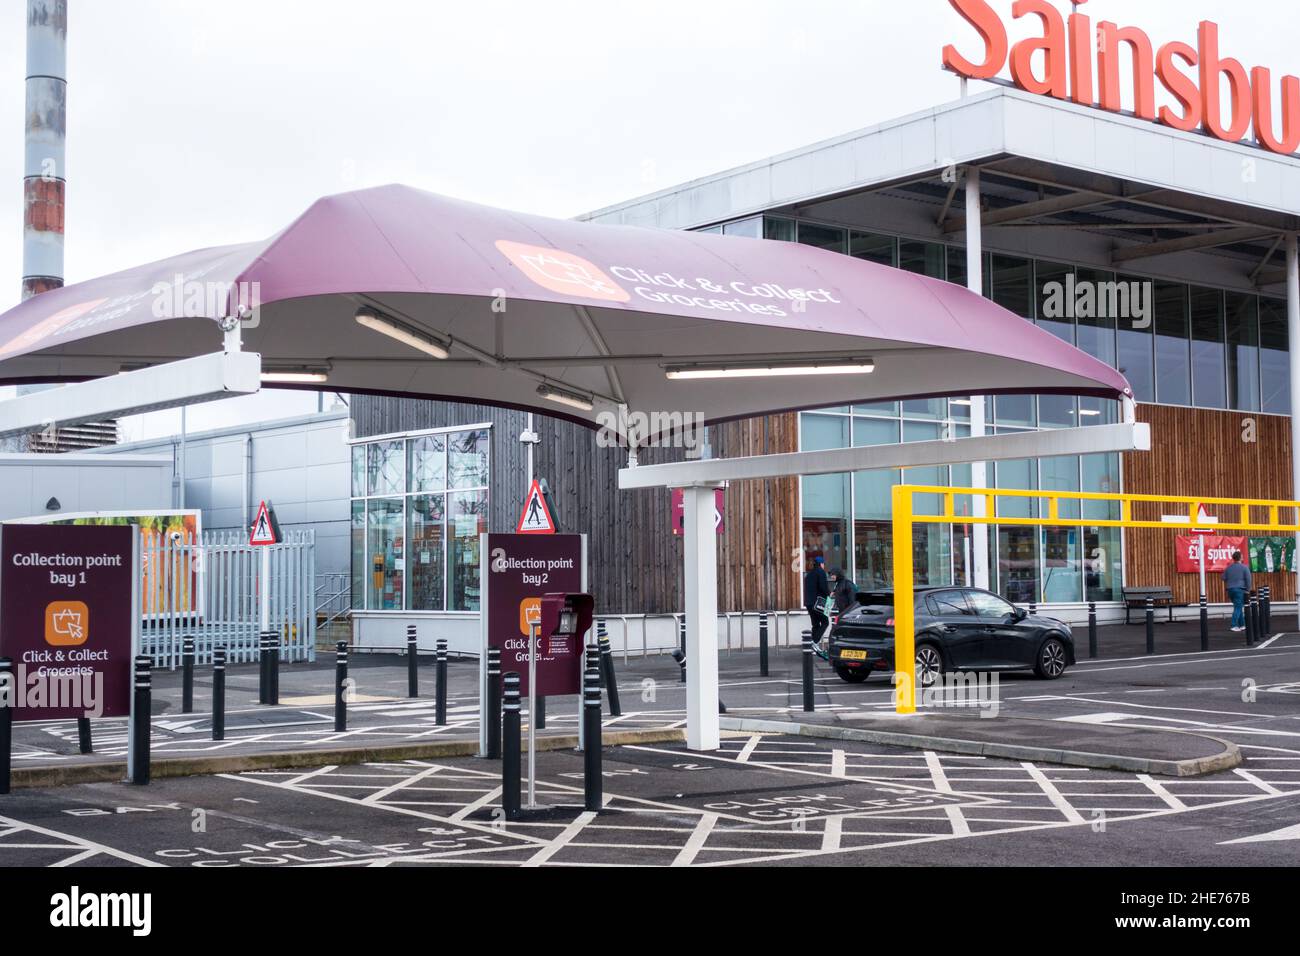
[929, 665]
[853, 675]
[1051, 659]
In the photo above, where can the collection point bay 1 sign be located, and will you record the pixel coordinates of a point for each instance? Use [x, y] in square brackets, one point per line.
[1059, 61]
[69, 614]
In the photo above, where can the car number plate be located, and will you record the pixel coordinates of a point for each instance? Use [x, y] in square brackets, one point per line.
[854, 655]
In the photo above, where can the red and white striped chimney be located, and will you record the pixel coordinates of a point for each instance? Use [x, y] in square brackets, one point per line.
[45, 133]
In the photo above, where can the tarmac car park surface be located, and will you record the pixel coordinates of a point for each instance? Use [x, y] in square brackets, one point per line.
[764, 797]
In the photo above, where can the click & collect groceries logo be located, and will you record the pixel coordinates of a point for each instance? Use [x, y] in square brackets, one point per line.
[562, 272]
[67, 623]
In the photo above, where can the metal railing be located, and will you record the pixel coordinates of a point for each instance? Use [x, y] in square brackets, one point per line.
[210, 589]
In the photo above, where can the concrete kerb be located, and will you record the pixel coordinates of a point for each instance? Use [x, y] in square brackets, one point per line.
[115, 771]
[1228, 758]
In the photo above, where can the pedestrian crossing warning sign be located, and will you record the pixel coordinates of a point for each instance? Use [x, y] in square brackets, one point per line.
[266, 529]
[536, 518]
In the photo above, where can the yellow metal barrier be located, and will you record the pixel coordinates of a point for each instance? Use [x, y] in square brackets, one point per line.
[904, 519]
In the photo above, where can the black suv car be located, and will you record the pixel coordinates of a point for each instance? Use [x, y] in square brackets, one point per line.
[957, 629]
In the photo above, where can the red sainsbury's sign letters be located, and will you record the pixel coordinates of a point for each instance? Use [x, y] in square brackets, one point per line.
[1193, 76]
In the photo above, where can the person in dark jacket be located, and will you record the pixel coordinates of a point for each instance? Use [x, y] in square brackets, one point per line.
[816, 588]
[845, 591]
[1236, 578]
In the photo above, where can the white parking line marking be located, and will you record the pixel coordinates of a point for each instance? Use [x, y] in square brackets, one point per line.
[1159, 790]
[695, 842]
[1052, 794]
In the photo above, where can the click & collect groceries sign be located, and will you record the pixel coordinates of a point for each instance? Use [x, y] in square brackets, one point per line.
[68, 615]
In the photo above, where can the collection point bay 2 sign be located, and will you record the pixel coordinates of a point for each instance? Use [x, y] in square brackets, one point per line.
[1059, 61]
[69, 618]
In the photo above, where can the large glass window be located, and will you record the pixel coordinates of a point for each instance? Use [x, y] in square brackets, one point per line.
[1135, 339]
[1242, 316]
[1173, 355]
[1274, 361]
[1208, 385]
[927, 258]
[1012, 281]
[385, 548]
[823, 237]
[418, 506]
[865, 245]
[1095, 313]
[1055, 312]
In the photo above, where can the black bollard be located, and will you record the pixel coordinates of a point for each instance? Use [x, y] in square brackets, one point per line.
[263, 668]
[680, 658]
[273, 669]
[1249, 620]
[607, 671]
[540, 704]
[762, 644]
[808, 702]
[1266, 608]
[412, 666]
[681, 639]
[1151, 626]
[492, 712]
[1252, 618]
[1092, 628]
[591, 780]
[512, 742]
[84, 743]
[8, 689]
[140, 726]
[219, 694]
[340, 678]
[187, 675]
[1205, 623]
[440, 691]
[592, 659]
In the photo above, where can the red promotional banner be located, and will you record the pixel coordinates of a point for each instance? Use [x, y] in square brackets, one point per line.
[1218, 551]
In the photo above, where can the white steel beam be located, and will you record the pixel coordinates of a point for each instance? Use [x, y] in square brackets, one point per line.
[183, 382]
[1088, 440]
[700, 549]
[977, 572]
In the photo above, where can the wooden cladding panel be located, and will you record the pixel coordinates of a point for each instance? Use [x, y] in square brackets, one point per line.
[1199, 451]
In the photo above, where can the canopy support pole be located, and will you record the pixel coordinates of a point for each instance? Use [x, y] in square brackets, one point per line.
[1293, 331]
[700, 550]
[978, 573]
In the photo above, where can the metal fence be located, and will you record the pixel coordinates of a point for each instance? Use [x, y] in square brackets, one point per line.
[210, 590]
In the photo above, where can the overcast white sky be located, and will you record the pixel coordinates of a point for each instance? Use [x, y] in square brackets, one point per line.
[194, 123]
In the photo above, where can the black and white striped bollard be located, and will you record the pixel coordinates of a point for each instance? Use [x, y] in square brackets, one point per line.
[1092, 628]
[219, 694]
[681, 640]
[273, 644]
[263, 667]
[809, 704]
[412, 658]
[440, 689]
[1205, 623]
[7, 691]
[492, 710]
[762, 644]
[85, 744]
[1266, 607]
[1151, 625]
[340, 681]
[591, 779]
[512, 744]
[140, 724]
[187, 675]
[607, 674]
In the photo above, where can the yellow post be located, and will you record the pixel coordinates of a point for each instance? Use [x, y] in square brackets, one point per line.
[904, 604]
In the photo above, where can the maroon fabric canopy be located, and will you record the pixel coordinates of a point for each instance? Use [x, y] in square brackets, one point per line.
[524, 303]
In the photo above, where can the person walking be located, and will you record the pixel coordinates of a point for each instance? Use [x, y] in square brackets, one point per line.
[1236, 578]
[816, 588]
[845, 591]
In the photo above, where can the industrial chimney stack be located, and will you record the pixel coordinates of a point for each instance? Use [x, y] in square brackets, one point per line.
[44, 141]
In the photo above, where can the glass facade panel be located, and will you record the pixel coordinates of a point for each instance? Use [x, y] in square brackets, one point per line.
[926, 258]
[425, 531]
[1173, 351]
[466, 520]
[428, 458]
[1012, 283]
[1208, 381]
[823, 237]
[1242, 321]
[1051, 280]
[467, 459]
[780, 229]
[1274, 360]
[385, 547]
[751, 228]
[866, 245]
[1094, 314]
[1135, 340]
[386, 467]
[358, 471]
[358, 562]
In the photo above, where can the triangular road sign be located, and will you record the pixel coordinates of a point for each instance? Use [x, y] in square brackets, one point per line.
[536, 517]
[265, 530]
